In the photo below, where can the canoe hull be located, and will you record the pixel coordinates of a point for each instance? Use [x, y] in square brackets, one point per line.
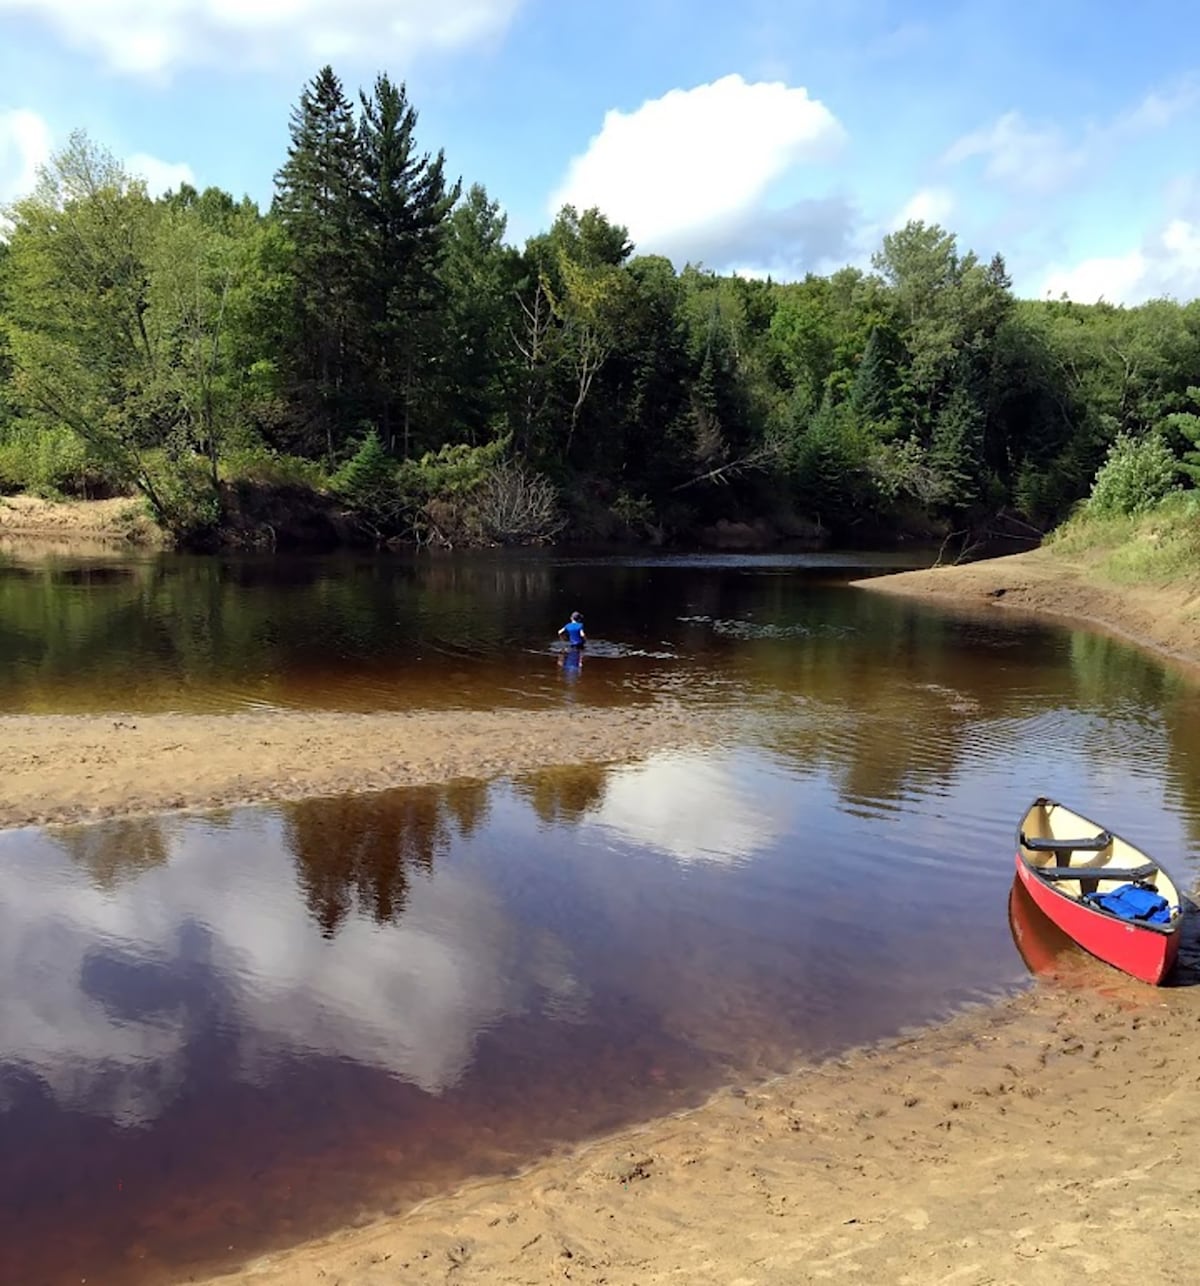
[1145, 952]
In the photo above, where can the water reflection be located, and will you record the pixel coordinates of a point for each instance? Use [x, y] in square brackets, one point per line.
[697, 807]
[360, 1000]
[265, 1022]
[361, 633]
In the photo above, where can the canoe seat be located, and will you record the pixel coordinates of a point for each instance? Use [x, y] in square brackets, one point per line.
[1128, 874]
[1050, 845]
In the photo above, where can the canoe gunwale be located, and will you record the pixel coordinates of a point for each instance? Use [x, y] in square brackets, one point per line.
[1172, 926]
[1145, 950]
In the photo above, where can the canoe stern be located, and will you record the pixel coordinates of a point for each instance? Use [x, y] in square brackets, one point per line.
[1142, 950]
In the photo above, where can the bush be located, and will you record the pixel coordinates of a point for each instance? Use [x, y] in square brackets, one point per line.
[184, 502]
[1136, 476]
[441, 492]
[53, 462]
[367, 484]
[517, 506]
[263, 466]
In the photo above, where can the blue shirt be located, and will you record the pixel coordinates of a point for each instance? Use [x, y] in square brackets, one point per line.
[574, 632]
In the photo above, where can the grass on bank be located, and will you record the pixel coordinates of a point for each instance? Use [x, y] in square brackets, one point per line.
[1157, 546]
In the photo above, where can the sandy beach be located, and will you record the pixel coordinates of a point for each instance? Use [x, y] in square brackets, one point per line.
[1040, 1140]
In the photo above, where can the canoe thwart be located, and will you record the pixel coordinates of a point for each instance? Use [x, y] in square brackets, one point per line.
[1130, 874]
[1092, 845]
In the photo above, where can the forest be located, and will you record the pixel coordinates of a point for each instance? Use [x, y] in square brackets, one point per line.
[371, 360]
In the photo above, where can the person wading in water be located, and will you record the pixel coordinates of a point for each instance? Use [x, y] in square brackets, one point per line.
[573, 631]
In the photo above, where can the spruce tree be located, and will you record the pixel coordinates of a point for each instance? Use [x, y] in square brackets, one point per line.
[406, 203]
[956, 450]
[320, 203]
[875, 380]
[480, 276]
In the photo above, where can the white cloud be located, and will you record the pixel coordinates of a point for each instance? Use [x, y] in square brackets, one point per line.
[160, 176]
[409, 997]
[1158, 109]
[929, 205]
[1020, 155]
[697, 160]
[25, 144]
[696, 808]
[152, 36]
[1114, 278]
[1167, 263]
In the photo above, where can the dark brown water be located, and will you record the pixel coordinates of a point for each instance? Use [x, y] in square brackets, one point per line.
[225, 1033]
[352, 633]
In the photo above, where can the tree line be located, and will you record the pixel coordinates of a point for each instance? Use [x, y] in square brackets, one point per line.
[373, 344]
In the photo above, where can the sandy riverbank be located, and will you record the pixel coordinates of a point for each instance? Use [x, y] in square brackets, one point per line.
[1037, 1141]
[76, 525]
[72, 768]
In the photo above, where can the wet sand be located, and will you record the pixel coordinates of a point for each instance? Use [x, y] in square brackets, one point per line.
[1037, 1141]
[78, 768]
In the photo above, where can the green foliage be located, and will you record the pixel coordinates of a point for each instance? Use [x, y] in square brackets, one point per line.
[830, 460]
[1183, 428]
[182, 344]
[873, 394]
[633, 511]
[452, 472]
[186, 502]
[1137, 475]
[368, 485]
[51, 462]
[956, 450]
[264, 466]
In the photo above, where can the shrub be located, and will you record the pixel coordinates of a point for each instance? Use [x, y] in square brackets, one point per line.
[53, 462]
[518, 506]
[1136, 476]
[184, 501]
[367, 484]
[265, 467]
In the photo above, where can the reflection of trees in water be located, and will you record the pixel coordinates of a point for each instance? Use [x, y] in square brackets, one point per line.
[1105, 669]
[907, 708]
[467, 803]
[117, 850]
[1111, 674]
[563, 794]
[360, 851]
[1181, 721]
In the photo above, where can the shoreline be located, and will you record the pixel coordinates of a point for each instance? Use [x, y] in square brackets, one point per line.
[1162, 619]
[83, 526]
[1014, 1142]
[69, 769]
[963, 1152]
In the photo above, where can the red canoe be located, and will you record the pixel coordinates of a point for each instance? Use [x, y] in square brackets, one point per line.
[1066, 863]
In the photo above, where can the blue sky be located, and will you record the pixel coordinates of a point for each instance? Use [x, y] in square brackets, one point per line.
[760, 137]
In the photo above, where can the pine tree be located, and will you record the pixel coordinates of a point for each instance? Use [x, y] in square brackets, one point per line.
[406, 204]
[956, 449]
[479, 275]
[319, 202]
[875, 380]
